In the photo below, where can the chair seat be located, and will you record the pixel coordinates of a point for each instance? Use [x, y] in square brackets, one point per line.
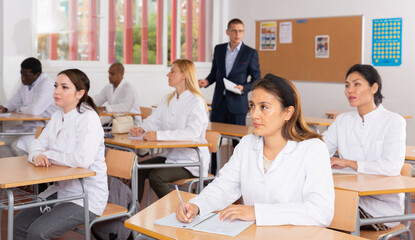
[187, 180]
[112, 209]
[372, 234]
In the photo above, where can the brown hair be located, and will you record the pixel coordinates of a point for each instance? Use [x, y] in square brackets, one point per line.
[81, 82]
[296, 128]
[234, 21]
[188, 69]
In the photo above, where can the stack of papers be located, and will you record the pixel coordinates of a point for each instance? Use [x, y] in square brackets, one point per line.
[345, 170]
[208, 223]
[230, 86]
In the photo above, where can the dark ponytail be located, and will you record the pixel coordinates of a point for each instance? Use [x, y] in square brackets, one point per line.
[81, 82]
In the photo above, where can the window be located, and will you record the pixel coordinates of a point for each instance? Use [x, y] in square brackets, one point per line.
[69, 30]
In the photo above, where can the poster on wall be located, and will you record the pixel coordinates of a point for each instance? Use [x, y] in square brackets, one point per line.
[268, 36]
[387, 42]
[322, 46]
[286, 32]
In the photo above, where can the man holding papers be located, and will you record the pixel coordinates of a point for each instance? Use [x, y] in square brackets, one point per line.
[234, 61]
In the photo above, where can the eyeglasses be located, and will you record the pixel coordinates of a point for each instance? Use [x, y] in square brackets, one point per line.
[234, 31]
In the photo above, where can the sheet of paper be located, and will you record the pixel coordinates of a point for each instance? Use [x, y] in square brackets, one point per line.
[5, 114]
[345, 170]
[230, 86]
[286, 33]
[171, 221]
[215, 225]
[136, 138]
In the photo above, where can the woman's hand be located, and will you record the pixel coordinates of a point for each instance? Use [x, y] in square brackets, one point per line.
[41, 161]
[342, 163]
[150, 136]
[136, 131]
[241, 212]
[191, 212]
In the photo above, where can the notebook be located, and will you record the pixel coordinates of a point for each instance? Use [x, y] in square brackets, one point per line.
[345, 170]
[208, 223]
[230, 86]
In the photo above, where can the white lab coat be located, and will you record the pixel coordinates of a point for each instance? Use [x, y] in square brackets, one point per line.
[76, 140]
[123, 98]
[183, 119]
[36, 101]
[378, 146]
[296, 190]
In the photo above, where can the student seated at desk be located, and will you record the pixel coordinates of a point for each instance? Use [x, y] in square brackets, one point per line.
[182, 116]
[119, 96]
[370, 139]
[282, 171]
[33, 97]
[73, 137]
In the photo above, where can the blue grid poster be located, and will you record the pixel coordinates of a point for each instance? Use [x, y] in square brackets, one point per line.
[387, 42]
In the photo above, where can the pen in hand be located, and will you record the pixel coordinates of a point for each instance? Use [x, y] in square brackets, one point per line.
[180, 198]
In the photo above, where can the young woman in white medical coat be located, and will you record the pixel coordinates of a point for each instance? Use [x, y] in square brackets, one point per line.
[73, 137]
[370, 139]
[282, 171]
[181, 116]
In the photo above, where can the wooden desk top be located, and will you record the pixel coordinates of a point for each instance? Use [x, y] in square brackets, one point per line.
[110, 114]
[410, 154]
[230, 129]
[17, 171]
[333, 114]
[318, 121]
[143, 222]
[366, 184]
[21, 117]
[124, 141]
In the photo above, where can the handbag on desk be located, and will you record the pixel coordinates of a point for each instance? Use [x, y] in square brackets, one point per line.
[122, 123]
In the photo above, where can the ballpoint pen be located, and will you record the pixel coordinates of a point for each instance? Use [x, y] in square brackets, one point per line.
[180, 198]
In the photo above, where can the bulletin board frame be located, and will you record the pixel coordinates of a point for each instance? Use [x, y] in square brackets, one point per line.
[298, 61]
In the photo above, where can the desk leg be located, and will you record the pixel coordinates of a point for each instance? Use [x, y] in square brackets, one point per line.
[201, 183]
[86, 209]
[10, 214]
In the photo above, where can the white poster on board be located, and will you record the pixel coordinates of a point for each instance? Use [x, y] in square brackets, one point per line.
[286, 32]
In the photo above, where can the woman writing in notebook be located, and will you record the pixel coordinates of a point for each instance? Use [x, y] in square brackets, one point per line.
[282, 171]
[73, 137]
[182, 116]
[370, 139]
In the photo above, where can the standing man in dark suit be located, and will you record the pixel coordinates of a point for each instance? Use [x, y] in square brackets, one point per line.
[234, 61]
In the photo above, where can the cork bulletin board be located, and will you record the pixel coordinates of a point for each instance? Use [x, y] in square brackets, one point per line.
[320, 49]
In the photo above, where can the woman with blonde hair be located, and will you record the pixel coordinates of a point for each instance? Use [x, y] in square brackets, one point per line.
[282, 171]
[182, 116]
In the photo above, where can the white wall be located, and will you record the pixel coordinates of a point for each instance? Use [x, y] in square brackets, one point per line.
[398, 82]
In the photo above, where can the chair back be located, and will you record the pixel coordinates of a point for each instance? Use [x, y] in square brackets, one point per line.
[345, 210]
[145, 112]
[120, 163]
[39, 130]
[213, 138]
[406, 170]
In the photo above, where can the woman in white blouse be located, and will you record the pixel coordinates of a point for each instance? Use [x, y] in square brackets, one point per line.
[73, 137]
[282, 171]
[370, 139]
[182, 115]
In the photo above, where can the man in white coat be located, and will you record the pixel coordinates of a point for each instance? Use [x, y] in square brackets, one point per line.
[118, 96]
[34, 97]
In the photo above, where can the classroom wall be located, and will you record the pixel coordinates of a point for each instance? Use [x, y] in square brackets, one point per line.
[398, 82]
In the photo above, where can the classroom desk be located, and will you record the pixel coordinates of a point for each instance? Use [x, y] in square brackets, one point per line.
[318, 121]
[17, 172]
[143, 222]
[110, 114]
[122, 141]
[332, 114]
[367, 184]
